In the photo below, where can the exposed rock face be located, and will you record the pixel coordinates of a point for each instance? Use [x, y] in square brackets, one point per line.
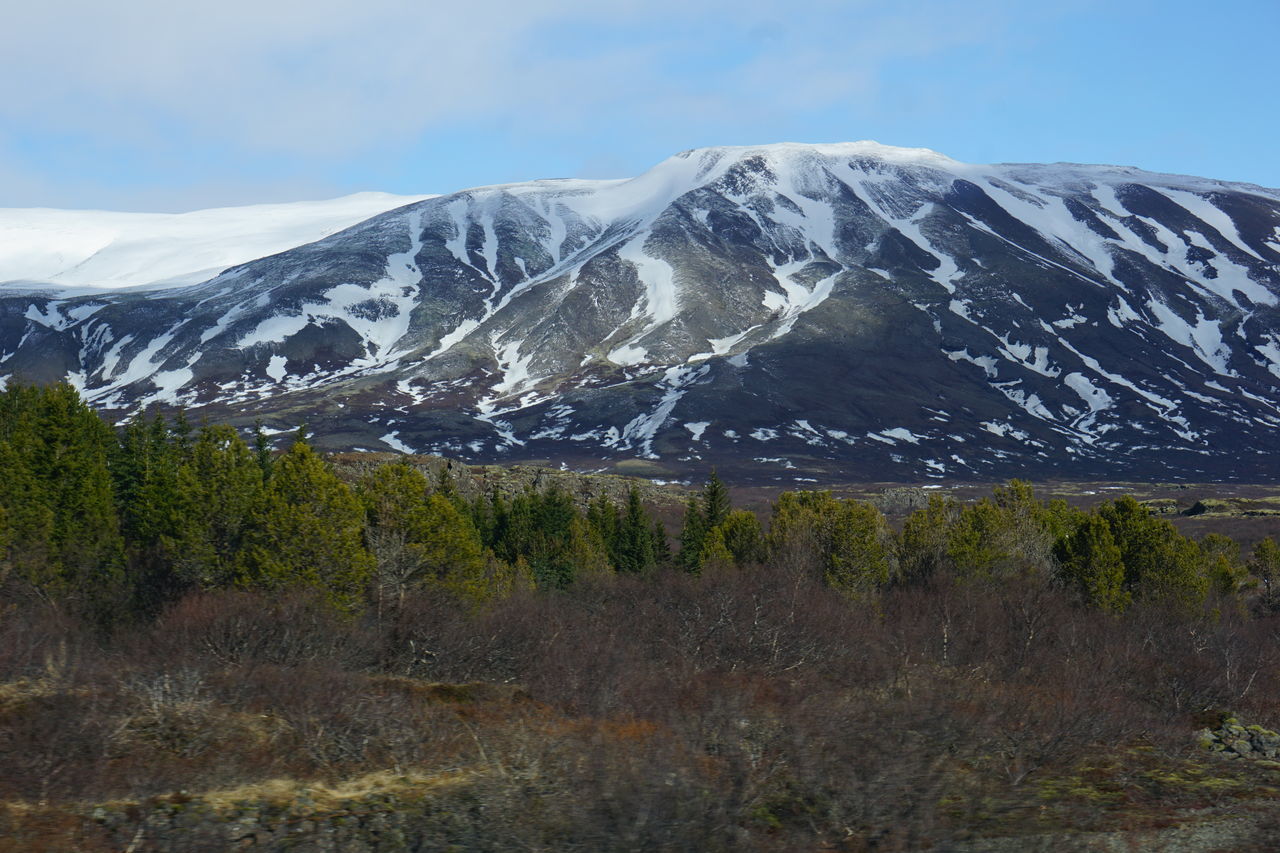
[781, 311]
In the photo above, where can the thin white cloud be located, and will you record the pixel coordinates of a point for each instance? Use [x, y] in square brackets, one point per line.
[332, 77]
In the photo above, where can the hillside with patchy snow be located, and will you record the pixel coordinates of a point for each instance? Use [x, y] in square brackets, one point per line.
[786, 311]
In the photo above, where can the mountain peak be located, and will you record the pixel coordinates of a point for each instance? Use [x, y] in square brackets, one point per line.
[850, 310]
[862, 148]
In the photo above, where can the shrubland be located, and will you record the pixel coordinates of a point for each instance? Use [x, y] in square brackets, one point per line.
[190, 619]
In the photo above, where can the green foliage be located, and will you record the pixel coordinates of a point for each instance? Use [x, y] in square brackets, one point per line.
[1159, 563]
[421, 539]
[743, 536]
[715, 501]
[922, 547]
[546, 531]
[57, 494]
[223, 482]
[701, 516]
[1264, 564]
[1090, 561]
[1223, 567]
[1011, 534]
[848, 542]
[693, 534]
[715, 556]
[636, 551]
[309, 532]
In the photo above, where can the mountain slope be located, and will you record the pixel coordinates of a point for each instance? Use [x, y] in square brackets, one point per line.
[785, 310]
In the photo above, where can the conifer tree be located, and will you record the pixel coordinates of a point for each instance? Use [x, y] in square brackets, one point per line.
[715, 556]
[602, 515]
[29, 519]
[70, 458]
[1222, 564]
[419, 539]
[1264, 563]
[635, 548]
[743, 537]
[715, 501]
[661, 547]
[223, 485]
[692, 536]
[1159, 563]
[848, 542]
[309, 533]
[262, 449]
[1090, 562]
[922, 549]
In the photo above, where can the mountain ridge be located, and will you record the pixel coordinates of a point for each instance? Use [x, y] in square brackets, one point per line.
[788, 309]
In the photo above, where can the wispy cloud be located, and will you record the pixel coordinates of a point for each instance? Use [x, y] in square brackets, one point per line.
[327, 79]
[330, 76]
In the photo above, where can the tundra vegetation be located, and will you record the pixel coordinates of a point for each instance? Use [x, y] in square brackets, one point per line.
[193, 624]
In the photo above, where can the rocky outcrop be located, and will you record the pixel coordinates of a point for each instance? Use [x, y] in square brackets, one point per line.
[1231, 739]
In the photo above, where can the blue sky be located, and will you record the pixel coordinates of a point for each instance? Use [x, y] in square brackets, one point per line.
[155, 105]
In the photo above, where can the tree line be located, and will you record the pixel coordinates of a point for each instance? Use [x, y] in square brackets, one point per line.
[120, 523]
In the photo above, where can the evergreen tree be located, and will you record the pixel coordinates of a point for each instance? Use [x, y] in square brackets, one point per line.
[419, 539]
[1159, 563]
[309, 532]
[1222, 564]
[1011, 534]
[70, 458]
[1264, 563]
[223, 486]
[715, 556]
[262, 449]
[743, 537]
[29, 519]
[602, 515]
[1090, 562]
[692, 536]
[922, 548]
[848, 542]
[635, 547]
[715, 502]
[661, 547]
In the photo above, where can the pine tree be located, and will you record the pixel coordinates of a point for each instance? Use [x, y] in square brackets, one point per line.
[309, 533]
[661, 547]
[1090, 561]
[602, 515]
[70, 458]
[848, 542]
[262, 449]
[29, 519]
[419, 539]
[1159, 563]
[1223, 567]
[223, 485]
[715, 556]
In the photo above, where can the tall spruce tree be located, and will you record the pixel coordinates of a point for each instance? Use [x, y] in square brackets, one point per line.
[693, 536]
[635, 547]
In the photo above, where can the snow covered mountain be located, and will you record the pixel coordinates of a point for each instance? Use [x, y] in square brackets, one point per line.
[93, 249]
[798, 311]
